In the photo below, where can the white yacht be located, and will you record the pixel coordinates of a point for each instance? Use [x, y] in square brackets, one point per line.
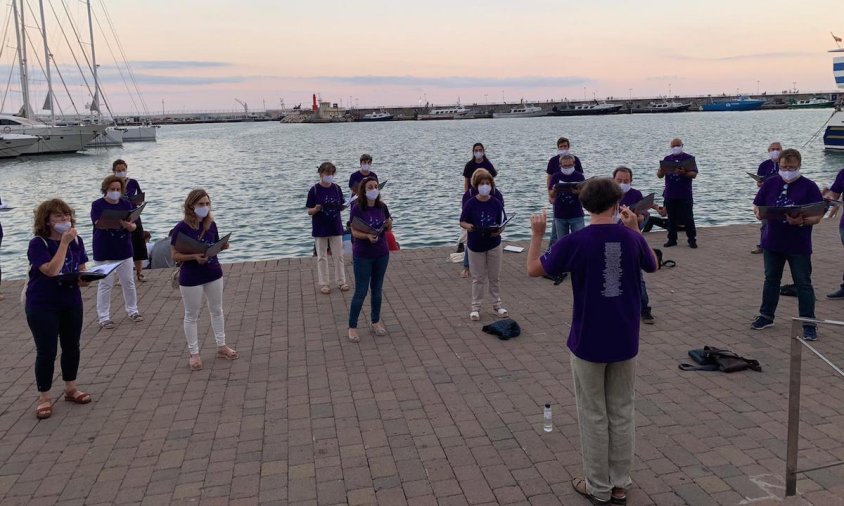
[140, 133]
[376, 116]
[833, 137]
[522, 111]
[51, 139]
[449, 113]
[12, 145]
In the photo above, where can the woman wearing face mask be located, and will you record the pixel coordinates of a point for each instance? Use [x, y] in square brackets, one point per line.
[54, 309]
[325, 201]
[478, 161]
[370, 254]
[114, 243]
[365, 171]
[481, 213]
[788, 240]
[200, 277]
[133, 190]
[469, 194]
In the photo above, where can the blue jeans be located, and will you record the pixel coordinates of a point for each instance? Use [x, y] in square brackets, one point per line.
[566, 226]
[368, 272]
[466, 257]
[841, 233]
[553, 233]
[646, 301]
[762, 232]
[801, 273]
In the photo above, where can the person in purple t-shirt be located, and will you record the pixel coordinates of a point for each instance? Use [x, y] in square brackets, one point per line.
[364, 172]
[481, 217]
[678, 196]
[835, 192]
[113, 241]
[568, 213]
[478, 161]
[200, 277]
[605, 261]
[624, 177]
[553, 167]
[139, 247]
[788, 240]
[469, 194]
[325, 202]
[767, 169]
[53, 307]
[370, 219]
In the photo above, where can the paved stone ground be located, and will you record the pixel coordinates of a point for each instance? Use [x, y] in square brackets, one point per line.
[436, 412]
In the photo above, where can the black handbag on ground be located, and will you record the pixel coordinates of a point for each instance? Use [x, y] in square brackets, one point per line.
[710, 358]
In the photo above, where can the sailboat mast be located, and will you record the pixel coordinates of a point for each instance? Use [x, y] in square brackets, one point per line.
[26, 110]
[48, 103]
[95, 104]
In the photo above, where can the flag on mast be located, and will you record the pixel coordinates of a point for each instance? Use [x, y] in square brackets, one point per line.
[837, 40]
[48, 102]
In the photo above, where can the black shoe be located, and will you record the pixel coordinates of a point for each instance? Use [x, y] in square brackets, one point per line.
[836, 295]
[647, 317]
[761, 322]
[669, 244]
[559, 279]
[810, 333]
[692, 244]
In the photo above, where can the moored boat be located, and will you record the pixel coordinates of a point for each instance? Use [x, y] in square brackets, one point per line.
[51, 139]
[833, 137]
[585, 109]
[742, 103]
[12, 145]
[522, 111]
[448, 113]
[811, 103]
[376, 116]
[664, 106]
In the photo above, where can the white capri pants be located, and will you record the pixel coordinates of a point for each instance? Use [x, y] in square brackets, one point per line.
[192, 298]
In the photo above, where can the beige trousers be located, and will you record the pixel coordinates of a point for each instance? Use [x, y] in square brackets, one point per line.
[322, 244]
[485, 268]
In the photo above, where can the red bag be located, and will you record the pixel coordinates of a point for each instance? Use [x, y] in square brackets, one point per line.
[392, 244]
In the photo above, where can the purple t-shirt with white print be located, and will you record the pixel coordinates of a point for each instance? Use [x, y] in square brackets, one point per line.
[112, 243]
[327, 221]
[357, 176]
[482, 215]
[44, 292]
[838, 187]
[374, 217]
[193, 273]
[566, 203]
[605, 262]
[779, 236]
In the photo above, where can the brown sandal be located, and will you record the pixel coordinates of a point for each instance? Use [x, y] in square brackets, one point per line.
[44, 410]
[619, 496]
[195, 363]
[579, 485]
[227, 353]
[77, 397]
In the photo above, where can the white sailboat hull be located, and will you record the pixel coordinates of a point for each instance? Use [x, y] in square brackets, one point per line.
[112, 137]
[56, 139]
[12, 145]
[141, 133]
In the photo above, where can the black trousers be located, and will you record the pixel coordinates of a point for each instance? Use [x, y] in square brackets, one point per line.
[49, 328]
[680, 212]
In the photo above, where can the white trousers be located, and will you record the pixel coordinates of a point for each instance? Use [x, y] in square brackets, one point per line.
[192, 298]
[322, 244]
[126, 273]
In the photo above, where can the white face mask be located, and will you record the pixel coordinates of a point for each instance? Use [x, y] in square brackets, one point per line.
[789, 175]
[567, 170]
[774, 154]
[676, 150]
[62, 227]
[372, 194]
[120, 174]
[202, 212]
[479, 155]
[484, 189]
[113, 195]
[624, 187]
[364, 167]
[563, 152]
[327, 179]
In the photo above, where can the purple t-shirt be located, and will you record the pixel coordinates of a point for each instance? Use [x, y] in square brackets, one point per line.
[631, 197]
[483, 215]
[779, 236]
[43, 292]
[471, 192]
[472, 166]
[554, 165]
[605, 262]
[767, 168]
[566, 203]
[132, 189]
[838, 187]
[678, 187]
[375, 218]
[327, 222]
[357, 177]
[192, 273]
[112, 243]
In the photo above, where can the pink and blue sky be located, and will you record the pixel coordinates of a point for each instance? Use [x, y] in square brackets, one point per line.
[202, 54]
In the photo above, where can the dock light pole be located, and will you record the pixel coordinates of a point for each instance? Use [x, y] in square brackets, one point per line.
[630, 91]
[757, 86]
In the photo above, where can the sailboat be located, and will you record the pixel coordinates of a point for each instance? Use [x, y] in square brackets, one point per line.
[51, 138]
[833, 137]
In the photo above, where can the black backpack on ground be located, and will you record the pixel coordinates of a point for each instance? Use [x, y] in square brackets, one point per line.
[715, 359]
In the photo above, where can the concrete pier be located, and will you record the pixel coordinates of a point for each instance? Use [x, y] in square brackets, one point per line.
[437, 412]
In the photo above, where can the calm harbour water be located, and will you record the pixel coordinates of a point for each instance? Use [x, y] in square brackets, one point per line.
[258, 174]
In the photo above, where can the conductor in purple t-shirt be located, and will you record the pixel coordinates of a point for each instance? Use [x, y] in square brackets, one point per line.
[605, 260]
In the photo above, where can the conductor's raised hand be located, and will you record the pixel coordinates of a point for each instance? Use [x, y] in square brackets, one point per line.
[69, 236]
[538, 223]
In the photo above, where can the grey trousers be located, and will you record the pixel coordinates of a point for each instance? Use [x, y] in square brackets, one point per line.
[485, 268]
[605, 413]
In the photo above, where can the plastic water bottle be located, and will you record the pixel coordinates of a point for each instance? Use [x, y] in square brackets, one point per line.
[547, 414]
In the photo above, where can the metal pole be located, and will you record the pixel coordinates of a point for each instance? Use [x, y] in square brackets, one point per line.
[95, 104]
[47, 56]
[793, 410]
[20, 33]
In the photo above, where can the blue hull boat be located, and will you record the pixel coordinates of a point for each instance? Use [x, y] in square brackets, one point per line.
[741, 104]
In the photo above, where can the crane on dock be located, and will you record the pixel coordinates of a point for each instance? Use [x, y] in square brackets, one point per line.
[244, 105]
